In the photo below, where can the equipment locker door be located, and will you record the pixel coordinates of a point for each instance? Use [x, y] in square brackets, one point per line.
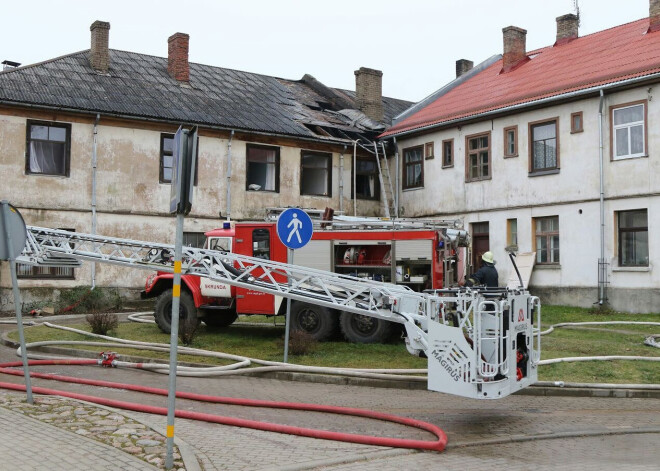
[255, 242]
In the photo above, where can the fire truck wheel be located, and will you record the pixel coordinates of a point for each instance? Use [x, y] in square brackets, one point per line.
[217, 319]
[163, 311]
[318, 321]
[364, 329]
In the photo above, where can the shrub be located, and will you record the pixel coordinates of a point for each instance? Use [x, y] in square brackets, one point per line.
[84, 299]
[102, 322]
[301, 343]
[188, 330]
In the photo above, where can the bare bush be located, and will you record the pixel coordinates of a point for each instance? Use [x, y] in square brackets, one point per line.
[301, 343]
[102, 322]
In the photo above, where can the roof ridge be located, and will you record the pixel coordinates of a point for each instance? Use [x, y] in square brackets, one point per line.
[47, 61]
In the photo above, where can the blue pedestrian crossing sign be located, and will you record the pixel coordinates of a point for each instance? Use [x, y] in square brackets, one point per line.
[294, 228]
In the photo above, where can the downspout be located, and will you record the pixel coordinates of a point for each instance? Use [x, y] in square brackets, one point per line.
[341, 180]
[354, 178]
[601, 261]
[94, 160]
[231, 136]
[396, 178]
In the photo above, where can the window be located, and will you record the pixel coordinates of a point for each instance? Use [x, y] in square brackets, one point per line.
[628, 131]
[428, 150]
[413, 167]
[261, 243]
[576, 122]
[367, 185]
[167, 159]
[316, 174]
[547, 240]
[194, 239]
[478, 157]
[511, 232]
[448, 153]
[543, 149]
[263, 168]
[633, 238]
[48, 148]
[511, 141]
[29, 271]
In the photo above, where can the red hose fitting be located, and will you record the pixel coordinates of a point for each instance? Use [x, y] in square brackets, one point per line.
[108, 359]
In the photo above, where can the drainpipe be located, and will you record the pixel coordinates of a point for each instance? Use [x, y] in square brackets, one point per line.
[601, 261]
[396, 178]
[341, 180]
[354, 178]
[94, 147]
[231, 136]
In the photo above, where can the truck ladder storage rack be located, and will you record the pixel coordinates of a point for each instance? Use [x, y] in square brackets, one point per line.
[479, 343]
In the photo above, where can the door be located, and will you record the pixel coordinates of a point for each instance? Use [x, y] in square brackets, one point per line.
[255, 242]
[480, 243]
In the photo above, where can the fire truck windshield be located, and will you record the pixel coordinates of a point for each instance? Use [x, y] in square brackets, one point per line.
[222, 244]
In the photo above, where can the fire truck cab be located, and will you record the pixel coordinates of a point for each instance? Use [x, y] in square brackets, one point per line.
[418, 256]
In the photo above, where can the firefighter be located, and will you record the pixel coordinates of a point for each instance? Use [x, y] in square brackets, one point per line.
[486, 275]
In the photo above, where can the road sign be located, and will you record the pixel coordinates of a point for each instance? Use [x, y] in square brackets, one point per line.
[12, 232]
[294, 228]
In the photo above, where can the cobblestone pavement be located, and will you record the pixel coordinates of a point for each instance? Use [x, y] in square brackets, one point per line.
[514, 433]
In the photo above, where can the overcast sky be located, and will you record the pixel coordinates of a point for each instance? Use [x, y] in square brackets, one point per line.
[414, 42]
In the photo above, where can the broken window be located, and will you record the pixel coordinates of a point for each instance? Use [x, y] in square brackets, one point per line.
[413, 167]
[48, 148]
[316, 174]
[263, 168]
[367, 184]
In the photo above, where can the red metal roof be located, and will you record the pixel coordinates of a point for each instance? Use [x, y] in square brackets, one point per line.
[608, 56]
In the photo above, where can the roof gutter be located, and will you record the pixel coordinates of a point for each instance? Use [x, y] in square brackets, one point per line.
[587, 91]
[173, 122]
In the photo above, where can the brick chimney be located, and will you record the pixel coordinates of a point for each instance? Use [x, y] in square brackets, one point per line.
[369, 92]
[177, 57]
[462, 66]
[654, 16]
[567, 28]
[99, 57]
[514, 47]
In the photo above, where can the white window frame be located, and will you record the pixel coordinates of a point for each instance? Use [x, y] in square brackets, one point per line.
[628, 126]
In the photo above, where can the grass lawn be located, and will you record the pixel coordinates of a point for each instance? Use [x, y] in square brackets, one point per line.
[266, 342]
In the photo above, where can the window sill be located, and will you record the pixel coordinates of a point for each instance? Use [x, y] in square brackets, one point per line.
[510, 156]
[632, 157]
[316, 196]
[547, 266]
[540, 173]
[632, 269]
[448, 166]
[261, 191]
[577, 131]
[413, 189]
[478, 180]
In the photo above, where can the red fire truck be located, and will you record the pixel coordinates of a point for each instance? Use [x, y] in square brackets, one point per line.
[418, 254]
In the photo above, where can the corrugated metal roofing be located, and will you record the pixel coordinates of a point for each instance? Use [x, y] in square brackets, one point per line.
[608, 56]
[138, 85]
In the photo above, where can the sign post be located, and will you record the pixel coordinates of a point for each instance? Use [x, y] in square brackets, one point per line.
[14, 233]
[295, 229]
[183, 178]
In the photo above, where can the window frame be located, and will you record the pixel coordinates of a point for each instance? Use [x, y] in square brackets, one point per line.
[530, 129]
[505, 134]
[613, 108]
[376, 196]
[67, 146]
[449, 142]
[161, 167]
[405, 166]
[548, 236]
[574, 129]
[428, 151]
[490, 157]
[277, 167]
[619, 232]
[328, 157]
[188, 235]
[511, 223]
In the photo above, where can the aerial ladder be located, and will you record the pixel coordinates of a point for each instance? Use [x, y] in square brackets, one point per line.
[480, 343]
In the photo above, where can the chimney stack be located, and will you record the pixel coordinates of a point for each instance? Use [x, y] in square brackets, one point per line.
[654, 16]
[462, 66]
[369, 92]
[177, 57]
[100, 56]
[514, 47]
[567, 28]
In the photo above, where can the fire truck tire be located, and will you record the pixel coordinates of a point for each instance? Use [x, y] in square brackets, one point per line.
[318, 321]
[216, 319]
[364, 329]
[163, 310]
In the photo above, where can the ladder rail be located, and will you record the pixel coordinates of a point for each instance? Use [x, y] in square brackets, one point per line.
[393, 209]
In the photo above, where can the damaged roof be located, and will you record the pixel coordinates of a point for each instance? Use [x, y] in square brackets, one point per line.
[139, 86]
[601, 59]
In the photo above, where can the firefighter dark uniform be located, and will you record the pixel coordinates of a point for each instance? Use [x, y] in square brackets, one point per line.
[486, 275]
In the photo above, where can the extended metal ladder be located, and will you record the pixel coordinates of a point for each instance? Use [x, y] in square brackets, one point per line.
[389, 203]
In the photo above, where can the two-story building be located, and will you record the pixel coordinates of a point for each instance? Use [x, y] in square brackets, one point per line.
[555, 150]
[86, 144]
